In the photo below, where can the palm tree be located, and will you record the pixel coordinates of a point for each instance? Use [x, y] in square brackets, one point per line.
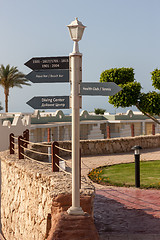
[10, 77]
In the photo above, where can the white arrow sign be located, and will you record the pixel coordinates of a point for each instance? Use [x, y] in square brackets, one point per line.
[101, 89]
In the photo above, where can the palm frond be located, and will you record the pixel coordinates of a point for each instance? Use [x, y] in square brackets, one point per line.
[11, 77]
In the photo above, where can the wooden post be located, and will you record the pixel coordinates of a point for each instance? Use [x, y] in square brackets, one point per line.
[153, 129]
[55, 159]
[11, 143]
[132, 130]
[20, 147]
[108, 132]
[26, 137]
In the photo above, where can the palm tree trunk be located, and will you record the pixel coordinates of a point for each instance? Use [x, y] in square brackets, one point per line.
[6, 92]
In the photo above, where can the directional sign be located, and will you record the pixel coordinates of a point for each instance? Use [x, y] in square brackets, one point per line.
[48, 76]
[40, 63]
[49, 102]
[102, 89]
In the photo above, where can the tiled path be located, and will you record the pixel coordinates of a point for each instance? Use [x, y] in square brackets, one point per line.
[125, 213]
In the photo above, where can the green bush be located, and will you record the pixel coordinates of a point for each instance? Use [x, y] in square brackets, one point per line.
[99, 111]
[150, 102]
[118, 75]
[131, 95]
[128, 96]
[156, 79]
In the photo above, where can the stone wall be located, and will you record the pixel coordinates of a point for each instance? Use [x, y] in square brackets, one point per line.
[104, 146]
[96, 147]
[31, 194]
[116, 145]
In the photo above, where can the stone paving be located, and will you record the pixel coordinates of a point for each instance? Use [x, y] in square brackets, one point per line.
[125, 213]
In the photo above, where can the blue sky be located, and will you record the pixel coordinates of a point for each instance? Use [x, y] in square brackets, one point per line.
[119, 33]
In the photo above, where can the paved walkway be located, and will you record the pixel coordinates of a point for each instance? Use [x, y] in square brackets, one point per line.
[125, 213]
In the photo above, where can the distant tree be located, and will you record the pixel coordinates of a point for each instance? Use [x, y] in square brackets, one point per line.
[10, 77]
[131, 95]
[99, 111]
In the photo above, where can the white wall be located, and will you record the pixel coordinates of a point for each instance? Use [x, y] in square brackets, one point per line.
[17, 127]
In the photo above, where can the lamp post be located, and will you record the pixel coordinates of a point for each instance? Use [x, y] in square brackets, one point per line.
[137, 164]
[76, 29]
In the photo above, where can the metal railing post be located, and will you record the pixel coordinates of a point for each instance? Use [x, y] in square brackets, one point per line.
[55, 159]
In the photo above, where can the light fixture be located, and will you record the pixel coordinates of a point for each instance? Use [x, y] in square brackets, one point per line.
[76, 29]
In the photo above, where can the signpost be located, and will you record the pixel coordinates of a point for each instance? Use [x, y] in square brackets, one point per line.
[48, 76]
[48, 70]
[48, 63]
[56, 69]
[102, 89]
[49, 102]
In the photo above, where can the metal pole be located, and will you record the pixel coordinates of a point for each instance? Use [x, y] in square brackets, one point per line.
[75, 64]
[137, 170]
[136, 149]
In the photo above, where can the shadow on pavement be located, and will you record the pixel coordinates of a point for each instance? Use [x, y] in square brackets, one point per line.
[112, 217]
